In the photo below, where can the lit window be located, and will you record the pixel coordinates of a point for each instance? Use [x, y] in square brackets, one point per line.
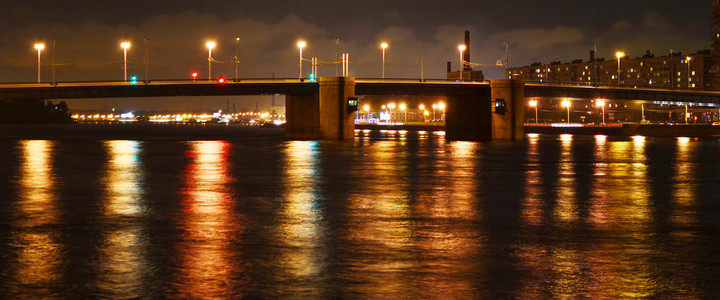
[588, 78]
[693, 73]
[586, 67]
[693, 85]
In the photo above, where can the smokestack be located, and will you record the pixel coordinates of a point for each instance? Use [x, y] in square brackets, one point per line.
[592, 55]
[466, 54]
[449, 67]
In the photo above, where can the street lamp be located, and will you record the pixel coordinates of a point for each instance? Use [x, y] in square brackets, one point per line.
[366, 108]
[566, 103]
[301, 45]
[39, 47]
[462, 62]
[441, 106]
[689, 78]
[403, 107]
[383, 46]
[422, 108]
[237, 46]
[434, 106]
[210, 45]
[619, 55]
[125, 46]
[390, 107]
[534, 103]
[601, 103]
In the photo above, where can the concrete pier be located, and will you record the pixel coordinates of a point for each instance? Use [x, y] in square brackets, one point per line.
[322, 115]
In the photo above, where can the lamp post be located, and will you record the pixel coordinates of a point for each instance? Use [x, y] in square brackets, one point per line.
[237, 46]
[39, 47]
[434, 106]
[403, 107]
[390, 107]
[125, 46]
[601, 103]
[422, 109]
[210, 45]
[366, 108]
[566, 103]
[688, 71]
[383, 46]
[534, 103]
[619, 55]
[462, 62]
[301, 45]
[441, 106]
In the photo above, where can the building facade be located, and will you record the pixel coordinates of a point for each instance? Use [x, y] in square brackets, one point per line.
[698, 71]
[671, 71]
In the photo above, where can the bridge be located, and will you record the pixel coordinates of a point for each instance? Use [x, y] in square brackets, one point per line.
[321, 110]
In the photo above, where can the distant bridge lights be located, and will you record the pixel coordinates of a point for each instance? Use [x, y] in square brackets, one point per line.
[125, 45]
[601, 103]
[534, 104]
[566, 103]
[39, 47]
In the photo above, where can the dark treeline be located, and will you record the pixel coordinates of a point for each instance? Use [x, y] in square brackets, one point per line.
[33, 112]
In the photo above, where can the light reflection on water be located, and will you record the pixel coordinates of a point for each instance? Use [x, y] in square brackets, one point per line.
[393, 214]
[209, 266]
[37, 251]
[123, 257]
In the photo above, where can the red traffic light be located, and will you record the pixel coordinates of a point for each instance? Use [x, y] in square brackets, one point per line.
[194, 75]
[221, 80]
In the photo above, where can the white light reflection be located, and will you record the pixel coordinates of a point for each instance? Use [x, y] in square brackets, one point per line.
[565, 207]
[301, 226]
[123, 254]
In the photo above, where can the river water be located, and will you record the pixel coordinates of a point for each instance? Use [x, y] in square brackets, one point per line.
[387, 215]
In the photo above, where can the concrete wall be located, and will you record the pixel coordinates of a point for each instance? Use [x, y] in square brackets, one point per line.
[508, 116]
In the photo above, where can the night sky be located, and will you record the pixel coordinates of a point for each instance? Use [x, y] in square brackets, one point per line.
[88, 34]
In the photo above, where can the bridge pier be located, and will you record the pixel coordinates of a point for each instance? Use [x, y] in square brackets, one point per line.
[324, 114]
[508, 109]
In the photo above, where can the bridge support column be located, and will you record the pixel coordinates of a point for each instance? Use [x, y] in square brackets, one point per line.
[323, 115]
[508, 109]
[468, 117]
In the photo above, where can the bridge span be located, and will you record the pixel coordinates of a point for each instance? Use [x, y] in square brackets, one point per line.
[321, 110]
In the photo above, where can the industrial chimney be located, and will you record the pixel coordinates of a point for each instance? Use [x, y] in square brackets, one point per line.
[466, 54]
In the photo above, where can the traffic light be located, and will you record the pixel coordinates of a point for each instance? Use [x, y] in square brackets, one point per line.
[133, 80]
[221, 80]
[194, 75]
[312, 77]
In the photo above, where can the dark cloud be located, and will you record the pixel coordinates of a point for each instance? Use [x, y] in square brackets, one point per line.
[88, 34]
